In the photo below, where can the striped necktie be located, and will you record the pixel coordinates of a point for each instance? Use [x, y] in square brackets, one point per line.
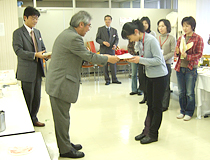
[34, 42]
[108, 32]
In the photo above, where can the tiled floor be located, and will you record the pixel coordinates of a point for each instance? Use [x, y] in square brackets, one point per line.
[106, 119]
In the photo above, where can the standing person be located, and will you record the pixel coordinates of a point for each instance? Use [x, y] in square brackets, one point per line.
[134, 66]
[186, 68]
[156, 73]
[29, 48]
[108, 39]
[167, 44]
[142, 76]
[63, 78]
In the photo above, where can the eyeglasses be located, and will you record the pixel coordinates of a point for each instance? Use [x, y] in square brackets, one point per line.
[89, 25]
[35, 18]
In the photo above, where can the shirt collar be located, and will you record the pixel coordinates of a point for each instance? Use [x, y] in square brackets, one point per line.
[108, 27]
[28, 29]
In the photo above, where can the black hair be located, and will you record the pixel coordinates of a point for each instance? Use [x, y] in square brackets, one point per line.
[31, 11]
[189, 20]
[166, 23]
[129, 27]
[148, 21]
[107, 16]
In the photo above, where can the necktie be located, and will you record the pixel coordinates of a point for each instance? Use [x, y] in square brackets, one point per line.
[34, 42]
[108, 32]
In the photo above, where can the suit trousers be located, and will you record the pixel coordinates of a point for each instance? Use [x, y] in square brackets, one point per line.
[155, 91]
[61, 116]
[32, 93]
[113, 69]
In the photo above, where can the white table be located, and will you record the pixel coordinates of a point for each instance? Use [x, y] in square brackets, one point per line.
[35, 140]
[202, 91]
[17, 117]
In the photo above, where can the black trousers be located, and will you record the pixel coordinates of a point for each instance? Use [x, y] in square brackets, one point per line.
[142, 79]
[113, 68]
[167, 94]
[155, 92]
[32, 93]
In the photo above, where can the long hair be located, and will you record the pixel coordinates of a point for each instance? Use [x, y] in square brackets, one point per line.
[148, 21]
[129, 27]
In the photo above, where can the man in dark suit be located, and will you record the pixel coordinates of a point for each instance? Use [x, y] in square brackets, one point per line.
[108, 39]
[29, 48]
[63, 78]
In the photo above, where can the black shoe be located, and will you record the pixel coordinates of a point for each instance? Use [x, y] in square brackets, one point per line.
[164, 109]
[143, 101]
[73, 154]
[117, 82]
[147, 140]
[139, 93]
[139, 137]
[107, 83]
[77, 146]
[132, 93]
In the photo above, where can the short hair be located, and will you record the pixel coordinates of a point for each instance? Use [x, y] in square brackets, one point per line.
[148, 21]
[107, 16]
[189, 20]
[166, 23]
[31, 11]
[129, 27]
[81, 16]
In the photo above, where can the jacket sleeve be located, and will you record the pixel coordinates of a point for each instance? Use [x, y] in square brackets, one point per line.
[116, 38]
[98, 37]
[77, 47]
[18, 46]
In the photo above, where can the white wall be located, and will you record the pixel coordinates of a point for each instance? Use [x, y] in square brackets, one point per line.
[203, 22]
[9, 18]
[56, 20]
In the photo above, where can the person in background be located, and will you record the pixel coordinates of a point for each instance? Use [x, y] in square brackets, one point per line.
[29, 48]
[167, 44]
[63, 78]
[186, 68]
[134, 66]
[142, 75]
[156, 74]
[108, 39]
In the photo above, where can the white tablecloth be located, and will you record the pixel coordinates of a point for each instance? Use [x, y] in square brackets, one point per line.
[202, 91]
[35, 140]
[17, 117]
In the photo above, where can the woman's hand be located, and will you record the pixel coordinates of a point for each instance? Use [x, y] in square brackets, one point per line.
[134, 59]
[184, 54]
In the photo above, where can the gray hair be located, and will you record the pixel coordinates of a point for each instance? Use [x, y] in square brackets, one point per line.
[81, 16]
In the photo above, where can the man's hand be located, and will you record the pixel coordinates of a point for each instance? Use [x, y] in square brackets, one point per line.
[40, 55]
[114, 47]
[113, 59]
[106, 43]
[134, 59]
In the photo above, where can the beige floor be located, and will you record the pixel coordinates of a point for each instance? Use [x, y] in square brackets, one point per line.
[106, 119]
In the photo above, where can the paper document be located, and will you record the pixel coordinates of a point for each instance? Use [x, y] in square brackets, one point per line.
[184, 47]
[47, 54]
[125, 56]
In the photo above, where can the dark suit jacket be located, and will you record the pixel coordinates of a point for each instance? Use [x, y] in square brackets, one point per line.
[64, 71]
[24, 49]
[102, 35]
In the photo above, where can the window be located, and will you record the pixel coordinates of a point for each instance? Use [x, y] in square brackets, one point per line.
[161, 4]
[125, 3]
